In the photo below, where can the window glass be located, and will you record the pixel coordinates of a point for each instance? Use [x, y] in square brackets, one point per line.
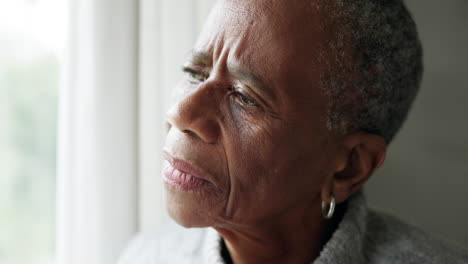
[32, 35]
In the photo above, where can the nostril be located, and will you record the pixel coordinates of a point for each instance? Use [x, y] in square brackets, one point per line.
[167, 127]
[189, 132]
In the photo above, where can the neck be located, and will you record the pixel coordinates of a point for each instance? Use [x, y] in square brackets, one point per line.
[296, 236]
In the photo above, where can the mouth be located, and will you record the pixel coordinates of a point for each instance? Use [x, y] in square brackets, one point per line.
[183, 175]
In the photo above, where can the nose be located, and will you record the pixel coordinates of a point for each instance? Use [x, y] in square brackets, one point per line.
[197, 114]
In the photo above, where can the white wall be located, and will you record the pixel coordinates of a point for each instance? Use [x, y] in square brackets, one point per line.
[425, 177]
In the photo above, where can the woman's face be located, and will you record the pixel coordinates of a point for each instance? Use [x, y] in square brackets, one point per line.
[250, 116]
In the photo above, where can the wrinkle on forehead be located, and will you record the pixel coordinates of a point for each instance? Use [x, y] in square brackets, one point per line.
[278, 40]
[279, 20]
[279, 9]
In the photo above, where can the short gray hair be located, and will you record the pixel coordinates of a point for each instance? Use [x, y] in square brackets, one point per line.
[374, 65]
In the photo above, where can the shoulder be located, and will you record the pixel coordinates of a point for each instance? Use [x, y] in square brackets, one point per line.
[390, 240]
[168, 243]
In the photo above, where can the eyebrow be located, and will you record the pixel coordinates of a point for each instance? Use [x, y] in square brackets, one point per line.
[200, 58]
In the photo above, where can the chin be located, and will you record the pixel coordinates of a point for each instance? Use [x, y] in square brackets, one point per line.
[187, 210]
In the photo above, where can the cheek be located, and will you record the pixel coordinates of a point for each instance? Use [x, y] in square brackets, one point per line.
[269, 171]
[247, 133]
[250, 143]
[276, 146]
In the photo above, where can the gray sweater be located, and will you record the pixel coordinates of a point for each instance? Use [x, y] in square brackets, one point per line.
[363, 236]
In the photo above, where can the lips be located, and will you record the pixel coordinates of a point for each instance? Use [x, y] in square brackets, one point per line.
[183, 175]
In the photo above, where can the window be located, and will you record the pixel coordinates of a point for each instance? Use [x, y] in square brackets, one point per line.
[32, 34]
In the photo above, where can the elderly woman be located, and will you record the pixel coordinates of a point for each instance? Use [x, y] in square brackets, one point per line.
[285, 111]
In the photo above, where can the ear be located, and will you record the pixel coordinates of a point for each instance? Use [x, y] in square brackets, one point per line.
[361, 154]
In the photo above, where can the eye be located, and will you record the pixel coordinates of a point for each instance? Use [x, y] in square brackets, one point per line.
[194, 74]
[244, 98]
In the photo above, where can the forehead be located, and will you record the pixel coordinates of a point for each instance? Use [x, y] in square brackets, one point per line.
[276, 39]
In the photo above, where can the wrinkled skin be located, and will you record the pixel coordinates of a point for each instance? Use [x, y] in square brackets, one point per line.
[263, 139]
